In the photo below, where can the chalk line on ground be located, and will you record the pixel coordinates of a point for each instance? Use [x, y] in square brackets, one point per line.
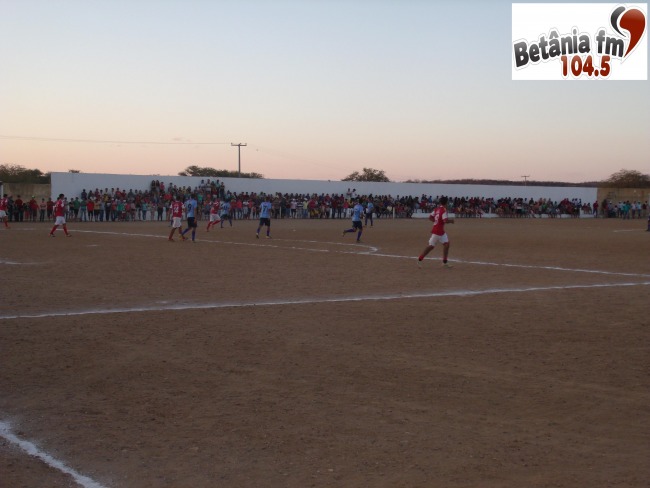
[33, 450]
[373, 251]
[312, 300]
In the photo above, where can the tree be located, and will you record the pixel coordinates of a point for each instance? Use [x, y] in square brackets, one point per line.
[216, 173]
[198, 171]
[368, 174]
[627, 178]
[13, 173]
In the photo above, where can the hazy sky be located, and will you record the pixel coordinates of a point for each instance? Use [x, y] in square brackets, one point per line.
[316, 88]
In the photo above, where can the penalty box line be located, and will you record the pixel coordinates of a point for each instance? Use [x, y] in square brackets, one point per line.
[372, 251]
[316, 300]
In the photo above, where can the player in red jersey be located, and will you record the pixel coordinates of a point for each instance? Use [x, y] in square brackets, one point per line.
[439, 218]
[214, 214]
[59, 215]
[176, 209]
[4, 208]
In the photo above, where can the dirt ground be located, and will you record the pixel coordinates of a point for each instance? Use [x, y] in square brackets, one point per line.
[307, 360]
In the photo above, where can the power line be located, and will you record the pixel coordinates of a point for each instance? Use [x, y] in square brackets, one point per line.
[98, 141]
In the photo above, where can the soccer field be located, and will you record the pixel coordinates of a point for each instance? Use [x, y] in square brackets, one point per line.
[310, 360]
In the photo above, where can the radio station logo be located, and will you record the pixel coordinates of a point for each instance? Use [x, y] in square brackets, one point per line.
[604, 41]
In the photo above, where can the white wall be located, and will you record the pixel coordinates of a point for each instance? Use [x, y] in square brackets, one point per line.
[71, 185]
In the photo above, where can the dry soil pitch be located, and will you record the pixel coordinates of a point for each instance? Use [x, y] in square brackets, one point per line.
[309, 360]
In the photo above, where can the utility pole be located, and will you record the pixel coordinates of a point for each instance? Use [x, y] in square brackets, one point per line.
[525, 180]
[239, 157]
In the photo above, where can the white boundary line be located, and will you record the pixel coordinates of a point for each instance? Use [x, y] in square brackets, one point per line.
[306, 301]
[32, 450]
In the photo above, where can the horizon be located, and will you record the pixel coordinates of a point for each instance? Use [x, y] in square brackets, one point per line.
[316, 90]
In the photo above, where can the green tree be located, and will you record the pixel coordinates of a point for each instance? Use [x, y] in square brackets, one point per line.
[216, 173]
[368, 174]
[627, 178]
[13, 173]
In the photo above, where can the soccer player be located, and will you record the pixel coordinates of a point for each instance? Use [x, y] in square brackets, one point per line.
[176, 210]
[439, 218]
[214, 214]
[265, 217]
[370, 209]
[190, 207]
[226, 213]
[59, 215]
[357, 225]
[4, 208]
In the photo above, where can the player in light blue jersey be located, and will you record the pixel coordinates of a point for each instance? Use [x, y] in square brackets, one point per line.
[191, 209]
[357, 225]
[265, 218]
[370, 209]
[226, 212]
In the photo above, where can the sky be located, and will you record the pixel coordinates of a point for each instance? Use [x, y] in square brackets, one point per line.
[316, 89]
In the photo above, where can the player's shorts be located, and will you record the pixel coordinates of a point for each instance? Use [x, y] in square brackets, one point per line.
[3, 214]
[191, 222]
[435, 239]
[265, 221]
[176, 222]
[59, 220]
[215, 218]
[356, 224]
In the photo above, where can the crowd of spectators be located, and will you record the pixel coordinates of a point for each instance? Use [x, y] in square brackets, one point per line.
[518, 207]
[152, 203]
[19, 210]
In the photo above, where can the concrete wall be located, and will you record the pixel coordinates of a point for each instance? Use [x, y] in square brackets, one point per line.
[616, 195]
[71, 185]
[27, 190]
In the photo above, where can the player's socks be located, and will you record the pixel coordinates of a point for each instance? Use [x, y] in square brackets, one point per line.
[420, 258]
